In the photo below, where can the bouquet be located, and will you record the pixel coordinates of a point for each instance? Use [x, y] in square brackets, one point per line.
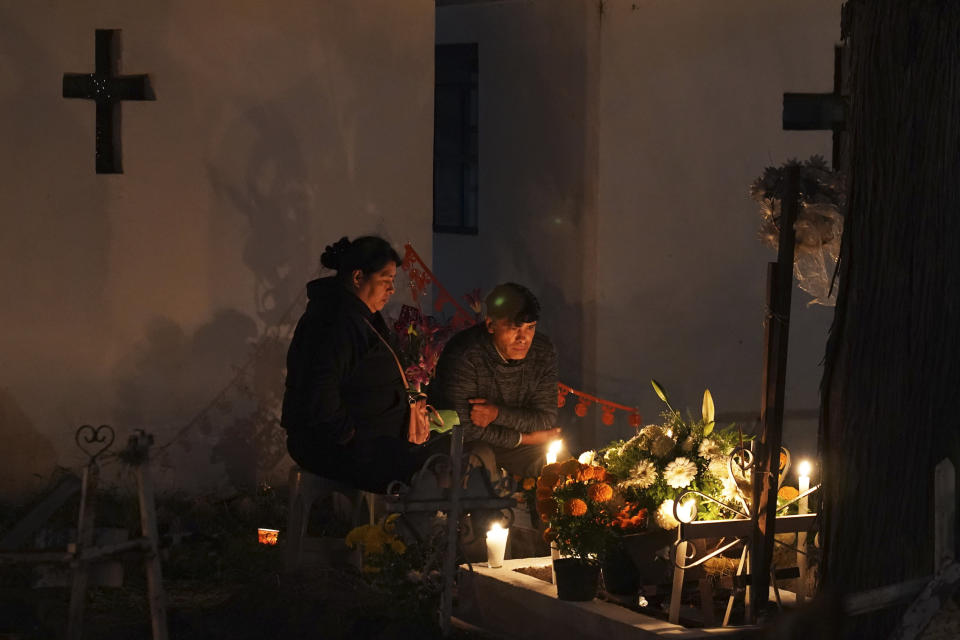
[583, 511]
[419, 341]
[666, 460]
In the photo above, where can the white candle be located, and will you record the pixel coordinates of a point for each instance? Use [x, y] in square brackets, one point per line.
[496, 545]
[803, 471]
[553, 450]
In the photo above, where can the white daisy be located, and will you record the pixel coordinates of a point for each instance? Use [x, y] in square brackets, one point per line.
[662, 446]
[719, 467]
[651, 432]
[587, 457]
[710, 449]
[664, 516]
[731, 492]
[644, 474]
[680, 472]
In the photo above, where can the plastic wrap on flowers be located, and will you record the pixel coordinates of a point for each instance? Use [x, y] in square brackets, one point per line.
[818, 228]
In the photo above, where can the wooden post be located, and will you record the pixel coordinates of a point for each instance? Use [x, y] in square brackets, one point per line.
[148, 525]
[85, 531]
[944, 507]
[766, 468]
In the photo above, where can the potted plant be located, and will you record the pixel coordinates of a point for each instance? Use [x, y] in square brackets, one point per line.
[577, 503]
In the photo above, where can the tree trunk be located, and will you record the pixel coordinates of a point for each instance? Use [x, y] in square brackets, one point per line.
[892, 370]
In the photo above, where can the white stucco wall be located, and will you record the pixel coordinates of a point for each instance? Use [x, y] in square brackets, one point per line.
[690, 113]
[278, 127]
[537, 165]
[616, 151]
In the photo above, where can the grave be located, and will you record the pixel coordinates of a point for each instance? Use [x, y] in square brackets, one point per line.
[518, 605]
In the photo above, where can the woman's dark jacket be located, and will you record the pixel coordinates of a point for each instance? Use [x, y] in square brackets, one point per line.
[345, 403]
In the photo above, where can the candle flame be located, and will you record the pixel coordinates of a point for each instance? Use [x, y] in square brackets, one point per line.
[804, 468]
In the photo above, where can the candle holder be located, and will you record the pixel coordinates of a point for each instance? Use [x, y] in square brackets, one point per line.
[268, 536]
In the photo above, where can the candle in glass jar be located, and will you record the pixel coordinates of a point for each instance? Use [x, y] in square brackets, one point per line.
[496, 545]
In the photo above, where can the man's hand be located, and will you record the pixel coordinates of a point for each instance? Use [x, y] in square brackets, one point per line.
[482, 412]
[541, 437]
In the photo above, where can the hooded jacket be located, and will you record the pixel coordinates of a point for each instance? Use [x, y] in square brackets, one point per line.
[343, 385]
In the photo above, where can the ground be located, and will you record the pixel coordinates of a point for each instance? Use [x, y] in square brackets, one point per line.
[220, 583]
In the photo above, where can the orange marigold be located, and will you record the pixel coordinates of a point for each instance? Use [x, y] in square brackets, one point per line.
[547, 509]
[586, 473]
[569, 467]
[553, 467]
[548, 480]
[529, 483]
[600, 492]
[787, 493]
[600, 474]
[544, 493]
[575, 507]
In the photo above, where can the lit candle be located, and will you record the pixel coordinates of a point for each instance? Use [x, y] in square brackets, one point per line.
[803, 471]
[496, 545]
[553, 450]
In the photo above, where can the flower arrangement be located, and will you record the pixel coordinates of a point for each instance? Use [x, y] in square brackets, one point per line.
[409, 573]
[583, 511]
[819, 224]
[419, 341]
[665, 460]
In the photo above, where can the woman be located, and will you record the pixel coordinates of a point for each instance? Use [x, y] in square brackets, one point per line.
[345, 406]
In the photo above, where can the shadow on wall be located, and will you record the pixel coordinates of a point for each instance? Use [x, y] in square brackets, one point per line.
[272, 193]
[210, 397]
[26, 472]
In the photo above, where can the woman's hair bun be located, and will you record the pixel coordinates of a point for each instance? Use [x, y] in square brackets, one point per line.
[332, 257]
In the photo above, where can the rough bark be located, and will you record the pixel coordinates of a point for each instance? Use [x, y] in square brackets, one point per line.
[892, 370]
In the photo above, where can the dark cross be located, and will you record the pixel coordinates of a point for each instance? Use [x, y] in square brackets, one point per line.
[108, 89]
[822, 111]
[803, 112]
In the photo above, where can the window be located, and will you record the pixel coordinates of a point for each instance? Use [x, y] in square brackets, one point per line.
[455, 139]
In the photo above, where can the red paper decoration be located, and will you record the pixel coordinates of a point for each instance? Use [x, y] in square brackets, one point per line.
[582, 407]
[607, 415]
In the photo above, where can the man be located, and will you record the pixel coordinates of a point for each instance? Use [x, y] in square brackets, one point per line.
[501, 377]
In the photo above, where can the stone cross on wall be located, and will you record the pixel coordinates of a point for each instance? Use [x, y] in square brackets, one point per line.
[107, 88]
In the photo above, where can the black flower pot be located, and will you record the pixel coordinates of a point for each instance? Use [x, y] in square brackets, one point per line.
[577, 578]
[620, 576]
